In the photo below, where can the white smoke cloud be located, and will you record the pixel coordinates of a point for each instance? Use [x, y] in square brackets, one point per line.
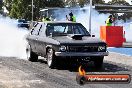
[97, 20]
[128, 31]
[82, 16]
[12, 39]
[126, 28]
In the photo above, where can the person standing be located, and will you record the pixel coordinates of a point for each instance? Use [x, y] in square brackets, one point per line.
[109, 20]
[45, 19]
[72, 17]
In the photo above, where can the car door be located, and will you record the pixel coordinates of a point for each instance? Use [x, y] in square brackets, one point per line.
[42, 41]
[33, 38]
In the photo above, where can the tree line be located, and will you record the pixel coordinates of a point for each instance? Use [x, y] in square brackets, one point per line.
[23, 8]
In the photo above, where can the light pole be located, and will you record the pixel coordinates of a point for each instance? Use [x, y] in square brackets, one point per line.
[90, 9]
[32, 12]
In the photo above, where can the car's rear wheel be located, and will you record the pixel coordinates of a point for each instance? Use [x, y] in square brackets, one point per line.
[51, 59]
[98, 62]
[31, 56]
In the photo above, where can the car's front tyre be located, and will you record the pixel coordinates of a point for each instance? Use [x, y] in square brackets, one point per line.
[51, 59]
[31, 56]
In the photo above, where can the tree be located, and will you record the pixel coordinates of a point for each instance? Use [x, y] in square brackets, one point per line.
[70, 3]
[8, 4]
[38, 4]
[55, 3]
[1, 4]
[125, 16]
[118, 2]
[22, 8]
[98, 2]
[82, 3]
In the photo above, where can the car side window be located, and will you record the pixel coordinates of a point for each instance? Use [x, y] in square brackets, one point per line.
[70, 30]
[35, 30]
[76, 30]
[49, 30]
[60, 29]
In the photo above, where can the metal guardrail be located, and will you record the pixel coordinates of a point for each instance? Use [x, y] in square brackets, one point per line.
[112, 7]
[115, 11]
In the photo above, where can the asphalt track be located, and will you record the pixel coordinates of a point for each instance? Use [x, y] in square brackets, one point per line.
[20, 73]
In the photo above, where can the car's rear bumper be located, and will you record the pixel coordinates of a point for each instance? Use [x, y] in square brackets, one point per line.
[81, 53]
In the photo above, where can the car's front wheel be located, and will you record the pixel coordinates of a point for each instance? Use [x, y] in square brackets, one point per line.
[51, 59]
[31, 56]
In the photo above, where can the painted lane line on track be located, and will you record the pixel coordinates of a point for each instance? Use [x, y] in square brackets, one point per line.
[121, 54]
[121, 51]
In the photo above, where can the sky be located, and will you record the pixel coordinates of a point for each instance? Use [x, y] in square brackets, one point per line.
[125, 0]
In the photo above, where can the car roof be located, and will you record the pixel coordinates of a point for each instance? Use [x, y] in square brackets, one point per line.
[59, 22]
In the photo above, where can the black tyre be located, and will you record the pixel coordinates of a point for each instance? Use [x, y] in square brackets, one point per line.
[98, 62]
[51, 59]
[31, 56]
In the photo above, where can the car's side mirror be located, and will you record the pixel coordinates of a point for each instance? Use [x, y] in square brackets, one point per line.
[93, 35]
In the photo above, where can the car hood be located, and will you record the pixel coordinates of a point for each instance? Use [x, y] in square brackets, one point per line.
[83, 40]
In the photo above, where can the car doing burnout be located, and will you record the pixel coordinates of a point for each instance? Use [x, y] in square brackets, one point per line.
[64, 40]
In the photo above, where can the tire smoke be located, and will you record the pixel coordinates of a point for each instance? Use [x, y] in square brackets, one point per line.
[12, 39]
[97, 20]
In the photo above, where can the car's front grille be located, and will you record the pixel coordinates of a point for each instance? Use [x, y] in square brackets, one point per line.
[83, 48]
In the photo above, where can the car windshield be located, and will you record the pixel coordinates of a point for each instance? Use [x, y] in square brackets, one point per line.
[58, 29]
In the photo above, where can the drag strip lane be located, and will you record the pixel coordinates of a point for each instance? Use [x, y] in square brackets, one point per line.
[18, 73]
[123, 51]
